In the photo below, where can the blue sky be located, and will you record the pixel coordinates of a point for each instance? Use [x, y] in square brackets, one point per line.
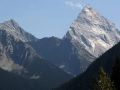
[45, 18]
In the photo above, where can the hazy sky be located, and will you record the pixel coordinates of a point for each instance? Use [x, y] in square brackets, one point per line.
[45, 18]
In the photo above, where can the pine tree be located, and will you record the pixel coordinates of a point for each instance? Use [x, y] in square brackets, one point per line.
[115, 77]
[103, 82]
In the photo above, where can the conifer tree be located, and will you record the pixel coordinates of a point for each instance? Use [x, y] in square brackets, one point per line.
[103, 82]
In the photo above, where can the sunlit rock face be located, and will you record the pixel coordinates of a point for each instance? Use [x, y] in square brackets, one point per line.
[11, 27]
[93, 33]
[89, 36]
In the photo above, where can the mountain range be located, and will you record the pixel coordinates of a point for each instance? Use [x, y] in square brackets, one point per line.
[89, 36]
[29, 63]
[18, 57]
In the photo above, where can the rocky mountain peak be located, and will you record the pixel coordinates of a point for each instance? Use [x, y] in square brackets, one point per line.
[12, 28]
[90, 16]
[92, 32]
[89, 11]
[12, 24]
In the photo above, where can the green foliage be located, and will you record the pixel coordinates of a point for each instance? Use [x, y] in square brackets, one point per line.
[115, 77]
[103, 82]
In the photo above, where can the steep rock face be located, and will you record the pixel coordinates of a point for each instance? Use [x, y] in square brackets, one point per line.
[12, 38]
[13, 28]
[86, 81]
[19, 57]
[93, 33]
[89, 36]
